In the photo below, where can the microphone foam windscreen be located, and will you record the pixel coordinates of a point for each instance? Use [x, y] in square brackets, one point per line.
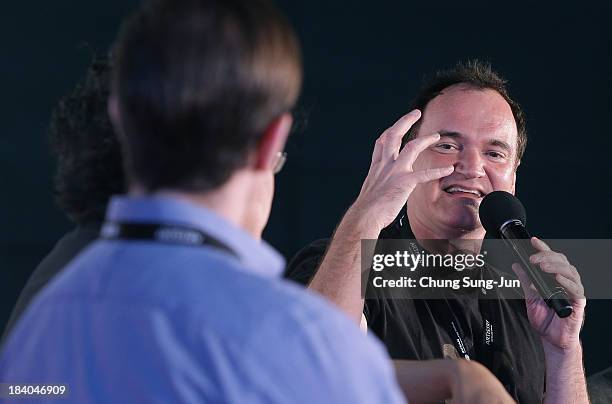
[497, 208]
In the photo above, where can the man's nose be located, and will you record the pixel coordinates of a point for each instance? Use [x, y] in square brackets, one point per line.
[470, 163]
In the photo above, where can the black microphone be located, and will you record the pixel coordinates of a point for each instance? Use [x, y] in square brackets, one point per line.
[504, 216]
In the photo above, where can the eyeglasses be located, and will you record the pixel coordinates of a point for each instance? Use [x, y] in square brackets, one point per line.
[281, 157]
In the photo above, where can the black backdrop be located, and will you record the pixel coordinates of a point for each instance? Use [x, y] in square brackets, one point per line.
[363, 62]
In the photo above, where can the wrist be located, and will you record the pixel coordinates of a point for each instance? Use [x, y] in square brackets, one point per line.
[558, 356]
[565, 377]
[359, 222]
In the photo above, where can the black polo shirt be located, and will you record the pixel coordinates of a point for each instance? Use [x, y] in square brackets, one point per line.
[494, 331]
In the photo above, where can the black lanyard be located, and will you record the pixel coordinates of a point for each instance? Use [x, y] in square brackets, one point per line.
[490, 348]
[447, 316]
[162, 233]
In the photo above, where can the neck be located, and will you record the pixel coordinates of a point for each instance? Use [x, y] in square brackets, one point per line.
[444, 239]
[228, 201]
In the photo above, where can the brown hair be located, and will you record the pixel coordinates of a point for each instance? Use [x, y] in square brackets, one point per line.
[197, 83]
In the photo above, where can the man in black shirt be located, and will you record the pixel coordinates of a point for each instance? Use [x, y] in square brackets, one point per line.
[468, 143]
[495, 332]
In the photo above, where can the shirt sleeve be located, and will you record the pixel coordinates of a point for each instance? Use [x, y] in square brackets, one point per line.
[304, 264]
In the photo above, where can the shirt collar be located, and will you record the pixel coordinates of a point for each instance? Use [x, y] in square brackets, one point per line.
[256, 256]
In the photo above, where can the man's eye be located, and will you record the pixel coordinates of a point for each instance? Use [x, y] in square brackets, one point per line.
[446, 147]
[496, 155]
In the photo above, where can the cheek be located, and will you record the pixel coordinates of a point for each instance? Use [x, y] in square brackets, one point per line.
[426, 194]
[501, 177]
[262, 191]
[265, 192]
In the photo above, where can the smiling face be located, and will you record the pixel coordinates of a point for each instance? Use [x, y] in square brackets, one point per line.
[478, 136]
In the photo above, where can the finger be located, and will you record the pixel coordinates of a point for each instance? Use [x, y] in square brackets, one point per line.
[377, 152]
[539, 244]
[574, 290]
[528, 288]
[391, 139]
[548, 256]
[411, 151]
[430, 174]
[568, 271]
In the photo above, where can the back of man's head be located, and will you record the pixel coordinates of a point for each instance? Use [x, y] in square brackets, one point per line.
[196, 84]
[473, 74]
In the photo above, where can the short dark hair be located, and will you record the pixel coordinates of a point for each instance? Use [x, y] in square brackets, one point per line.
[474, 74]
[87, 153]
[197, 83]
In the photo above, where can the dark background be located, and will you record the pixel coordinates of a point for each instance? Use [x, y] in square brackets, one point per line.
[363, 63]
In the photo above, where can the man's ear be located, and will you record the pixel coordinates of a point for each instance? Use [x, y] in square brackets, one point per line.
[272, 142]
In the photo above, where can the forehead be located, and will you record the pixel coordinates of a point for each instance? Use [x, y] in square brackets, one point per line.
[471, 112]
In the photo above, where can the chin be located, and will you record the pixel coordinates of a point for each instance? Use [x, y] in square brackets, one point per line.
[464, 219]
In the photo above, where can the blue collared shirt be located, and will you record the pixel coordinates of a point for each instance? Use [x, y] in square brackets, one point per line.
[142, 321]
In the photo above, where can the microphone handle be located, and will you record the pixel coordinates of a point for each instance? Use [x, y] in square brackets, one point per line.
[517, 236]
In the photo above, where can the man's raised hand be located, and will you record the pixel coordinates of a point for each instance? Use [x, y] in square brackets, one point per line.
[391, 178]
